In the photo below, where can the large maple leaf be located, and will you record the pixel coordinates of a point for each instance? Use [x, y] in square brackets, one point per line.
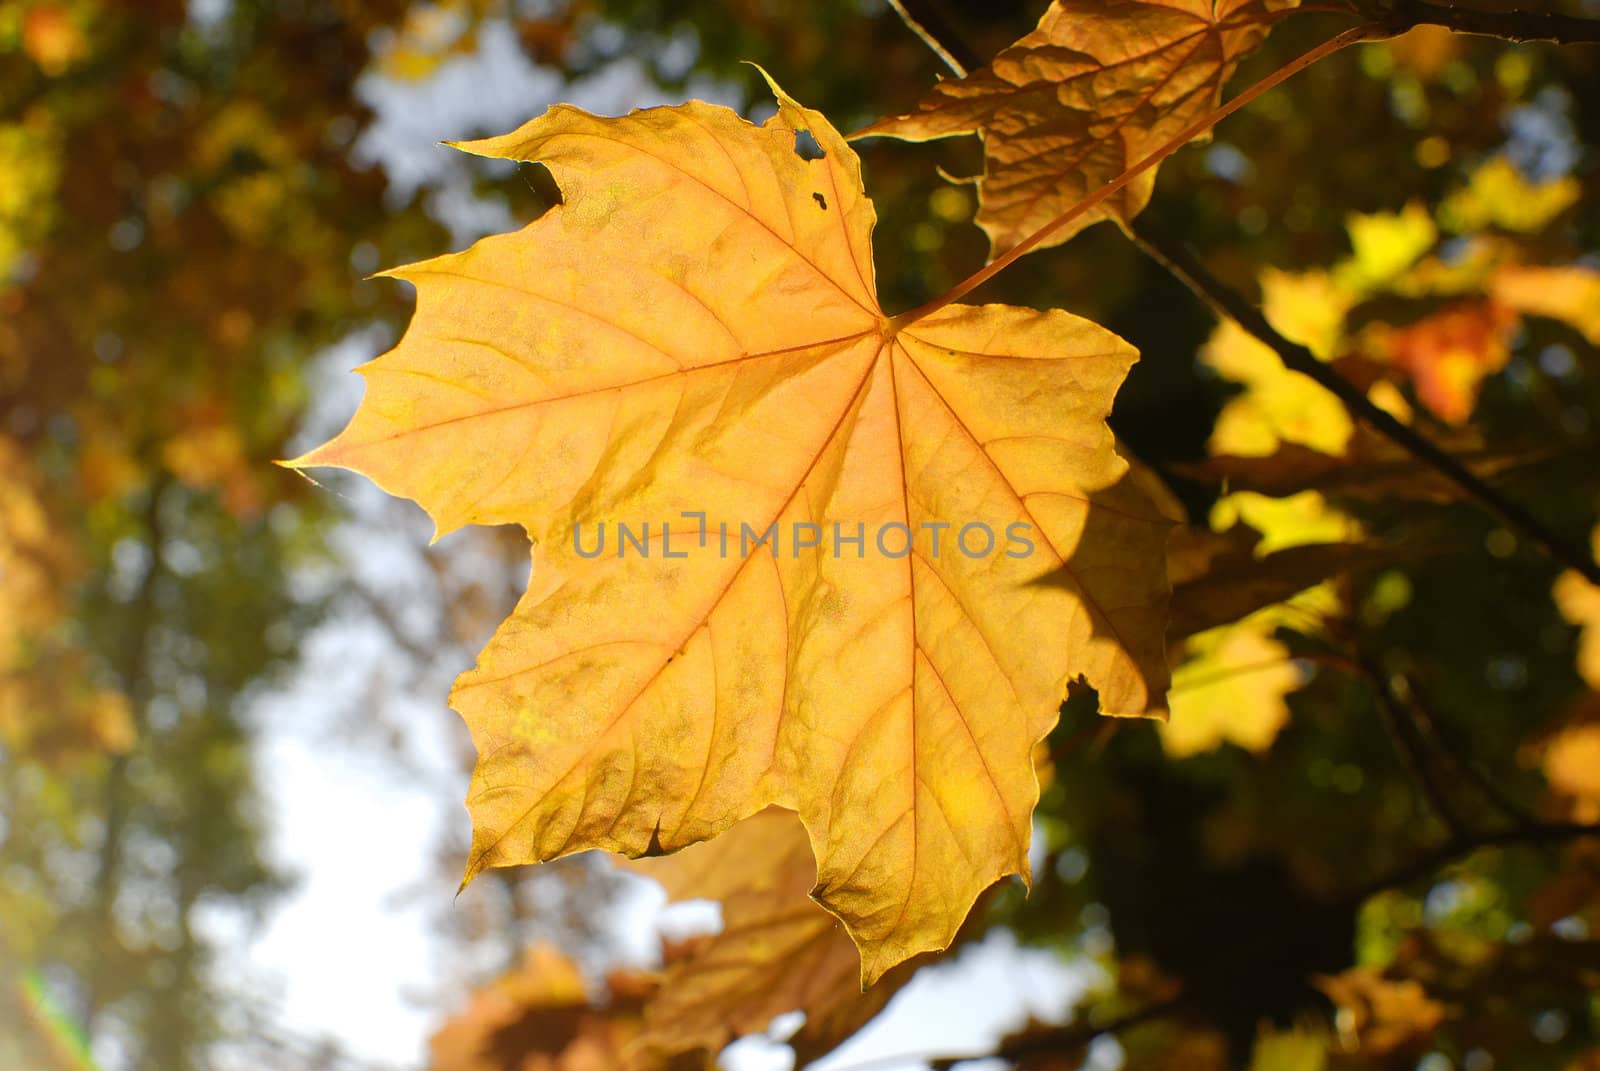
[696, 329]
[1094, 89]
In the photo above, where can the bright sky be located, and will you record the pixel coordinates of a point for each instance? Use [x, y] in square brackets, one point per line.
[344, 956]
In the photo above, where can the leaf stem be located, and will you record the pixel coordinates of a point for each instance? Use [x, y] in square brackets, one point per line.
[1178, 259]
[1368, 32]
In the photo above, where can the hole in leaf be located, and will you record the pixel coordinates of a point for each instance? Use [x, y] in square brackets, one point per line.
[822, 201]
[806, 147]
[542, 183]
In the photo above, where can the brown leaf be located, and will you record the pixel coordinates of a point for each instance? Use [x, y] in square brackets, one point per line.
[1236, 582]
[1371, 468]
[778, 951]
[540, 1017]
[1095, 88]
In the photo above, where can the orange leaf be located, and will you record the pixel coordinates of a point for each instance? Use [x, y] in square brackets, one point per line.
[1095, 88]
[52, 38]
[1381, 1016]
[1579, 602]
[1570, 294]
[1572, 768]
[692, 341]
[1448, 355]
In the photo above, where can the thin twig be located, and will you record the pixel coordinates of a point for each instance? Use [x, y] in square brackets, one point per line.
[1458, 753]
[925, 21]
[1178, 259]
[1507, 25]
[1410, 749]
[386, 616]
[1405, 705]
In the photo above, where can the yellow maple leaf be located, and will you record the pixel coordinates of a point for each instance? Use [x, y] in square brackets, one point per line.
[1570, 294]
[692, 341]
[429, 34]
[1296, 520]
[1279, 405]
[1380, 1016]
[51, 707]
[53, 38]
[1233, 683]
[1571, 764]
[1232, 690]
[1425, 50]
[1579, 601]
[1496, 195]
[1095, 88]
[34, 559]
[1384, 244]
[30, 159]
[1299, 1048]
[778, 951]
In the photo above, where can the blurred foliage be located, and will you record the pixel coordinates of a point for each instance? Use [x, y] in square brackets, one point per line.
[183, 228]
[178, 211]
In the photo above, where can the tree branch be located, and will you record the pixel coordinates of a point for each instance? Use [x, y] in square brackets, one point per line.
[1178, 259]
[1063, 1039]
[133, 674]
[1060, 1039]
[1458, 752]
[1514, 25]
[1461, 846]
